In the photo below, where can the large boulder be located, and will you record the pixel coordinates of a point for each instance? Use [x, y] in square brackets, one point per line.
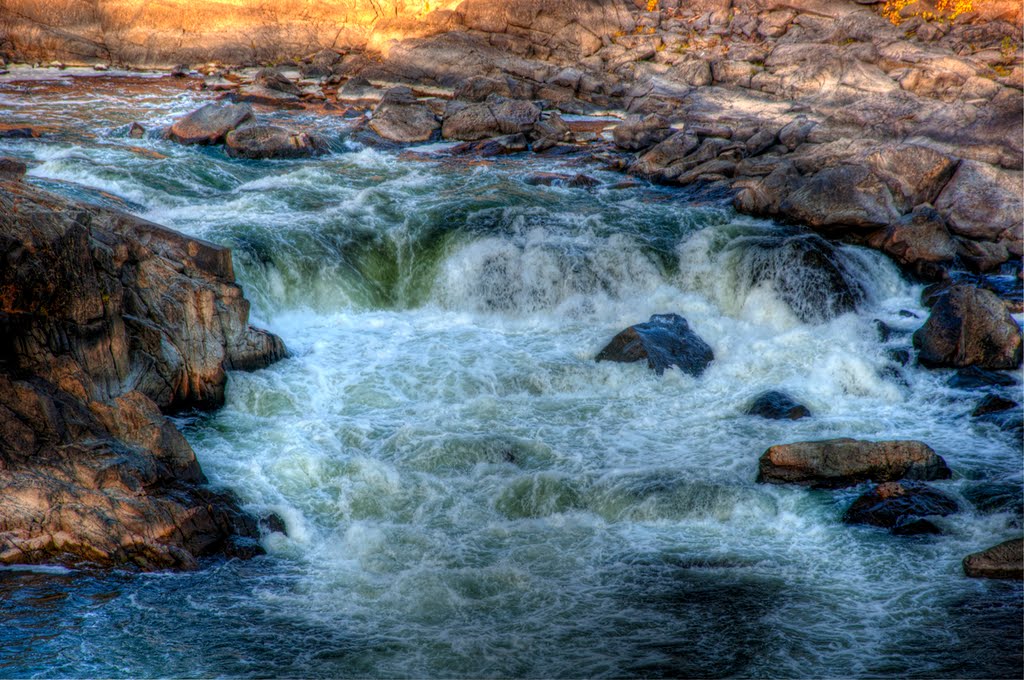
[776, 405]
[107, 322]
[272, 141]
[636, 134]
[209, 124]
[665, 340]
[272, 79]
[1005, 560]
[400, 117]
[902, 507]
[969, 326]
[919, 241]
[841, 197]
[493, 117]
[981, 201]
[835, 463]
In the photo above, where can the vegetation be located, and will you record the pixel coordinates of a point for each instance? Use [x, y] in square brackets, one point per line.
[895, 10]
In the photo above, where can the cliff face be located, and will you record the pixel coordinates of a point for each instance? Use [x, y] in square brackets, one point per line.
[107, 322]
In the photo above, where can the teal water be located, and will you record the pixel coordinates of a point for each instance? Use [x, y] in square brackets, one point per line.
[467, 494]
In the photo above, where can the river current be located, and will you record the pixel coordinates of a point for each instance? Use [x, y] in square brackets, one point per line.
[466, 492]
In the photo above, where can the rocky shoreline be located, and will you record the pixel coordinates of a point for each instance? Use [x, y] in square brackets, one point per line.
[108, 323]
[825, 114]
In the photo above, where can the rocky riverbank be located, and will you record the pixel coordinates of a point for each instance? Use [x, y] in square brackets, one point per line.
[108, 323]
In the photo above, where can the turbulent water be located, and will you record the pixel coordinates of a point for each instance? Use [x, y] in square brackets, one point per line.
[466, 492]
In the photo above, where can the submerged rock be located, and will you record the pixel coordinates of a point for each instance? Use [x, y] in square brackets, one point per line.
[835, 463]
[902, 507]
[271, 141]
[969, 326]
[1005, 561]
[972, 378]
[993, 404]
[106, 321]
[777, 406]
[664, 341]
[209, 124]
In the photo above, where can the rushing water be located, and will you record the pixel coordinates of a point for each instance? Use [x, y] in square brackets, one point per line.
[466, 492]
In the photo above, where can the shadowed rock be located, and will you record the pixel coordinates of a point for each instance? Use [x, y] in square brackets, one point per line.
[209, 124]
[105, 321]
[902, 507]
[835, 463]
[1005, 560]
[664, 341]
[637, 133]
[271, 141]
[777, 406]
[400, 117]
[969, 326]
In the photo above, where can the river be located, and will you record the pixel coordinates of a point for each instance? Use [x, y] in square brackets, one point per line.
[466, 492]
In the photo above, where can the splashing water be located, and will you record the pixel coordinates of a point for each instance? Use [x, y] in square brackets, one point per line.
[466, 492]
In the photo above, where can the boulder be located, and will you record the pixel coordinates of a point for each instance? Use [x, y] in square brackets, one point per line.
[272, 79]
[550, 132]
[136, 131]
[107, 322]
[993, 403]
[670, 150]
[664, 341]
[493, 117]
[969, 326]
[919, 241]
[636, 134]
[400, 117]
[972, 378]
[777, 406]
[12, 168]
[901, 506]
[359, 92]
[981, 201]
[841, 197]
[496, 146]
[478, 88]
[271, 141]
[835, 463]
[1005, 561]
[209, 124]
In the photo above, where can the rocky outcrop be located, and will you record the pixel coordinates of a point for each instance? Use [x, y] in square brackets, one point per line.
[665, 340]
[902, 507]
[776, 405]
[1005, 561]
[272, 141]
[494, 117]
[969, 326]
[209, 124]
[107, 322]
[836, 463]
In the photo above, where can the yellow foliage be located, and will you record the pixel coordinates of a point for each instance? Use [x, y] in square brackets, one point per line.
[652, 5]
[947, 9]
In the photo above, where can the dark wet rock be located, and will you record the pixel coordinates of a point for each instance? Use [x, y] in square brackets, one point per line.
[106, 321]
[209, 124]
[1008, 420]
[995, 497]
[665, 340]
[883, 330]
[837, 463]
[899, 356]
[636, 134]
[271, 141]
[969, 326]
[12, 168]
[400, 117]
[273, 523]
[496, 146]
[136, 131]
[1004, 561]
[181, 71]
[972, 378]
[272, 79]
[777, 406]
[804, 270]
[561, 179]
[993, 403]
[902, 507]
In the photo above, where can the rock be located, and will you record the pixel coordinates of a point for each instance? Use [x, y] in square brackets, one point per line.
[1005, 560]
[636, 134]
[915, 174]
[559, 179]
[270, 141]
[11, 169]
[265, 96]
[972, 378]
[496, 146]
[478, 88]
[777, 406]
[844, 196]
[918, 241]
[359, 92]
[981, 201]
[400, 117]
[181, 71]
[272, 79]
[901, 506]
[492, 118]
[664, 341]
[550, 132]
[670, 150]
[106, 321]
[804, 270]
[995, 497]
[209, 124]
[835, 463]
[993, 404]
[272, 523]
[969, 326]
[136, 131]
